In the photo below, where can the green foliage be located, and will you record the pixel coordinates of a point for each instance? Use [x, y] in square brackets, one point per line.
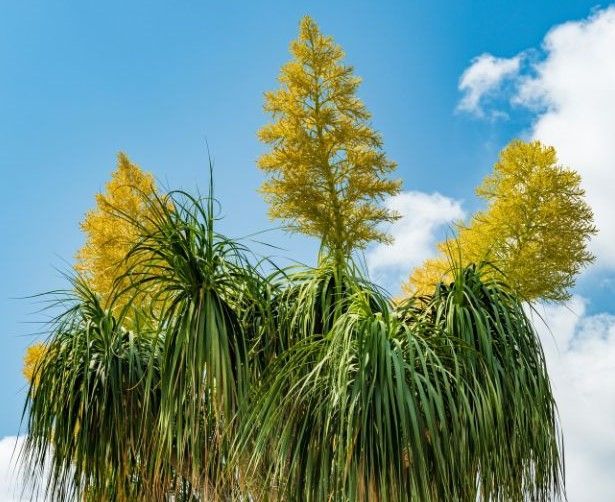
[306, 384]
[85, 413]
[205, 283]
[508, 412]
[201, 286]
[423, 402]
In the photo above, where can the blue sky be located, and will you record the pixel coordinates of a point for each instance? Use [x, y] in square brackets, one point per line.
[80, 82]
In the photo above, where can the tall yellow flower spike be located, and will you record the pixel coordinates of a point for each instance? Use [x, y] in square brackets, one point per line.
[327, 171]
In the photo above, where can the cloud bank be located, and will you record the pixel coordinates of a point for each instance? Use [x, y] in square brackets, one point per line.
[570, 89]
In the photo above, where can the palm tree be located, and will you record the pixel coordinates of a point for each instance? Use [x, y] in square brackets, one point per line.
[441, 398]
[87, 422]
[307, 383]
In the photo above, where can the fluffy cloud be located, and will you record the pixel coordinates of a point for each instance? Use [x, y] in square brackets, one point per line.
[423, 217]
[575, 86]
[484, 77]
[570, 87]
[580, 353]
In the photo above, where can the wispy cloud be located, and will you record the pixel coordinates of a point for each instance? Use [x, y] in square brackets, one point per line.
[12, 488]
[483, 78]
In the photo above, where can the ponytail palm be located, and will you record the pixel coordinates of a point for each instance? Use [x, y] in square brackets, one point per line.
[509, 414]
[332, 415]
[185, 360]
[308, 384]
[446, 400]
[86, 417]
[204, 286]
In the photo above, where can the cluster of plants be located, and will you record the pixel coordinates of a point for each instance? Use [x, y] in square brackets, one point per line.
[181, 366]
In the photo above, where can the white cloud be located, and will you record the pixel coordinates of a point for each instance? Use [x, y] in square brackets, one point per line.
[580, 353]
[10, 483]
[423, 217]
[575, 83]
[13, 487]
[484, 77]
[571, 91]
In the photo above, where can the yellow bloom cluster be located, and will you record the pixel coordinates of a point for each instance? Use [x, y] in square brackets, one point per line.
[535, 228]
[34, 355]
[326, 168]
[110, 233]
[109, 228]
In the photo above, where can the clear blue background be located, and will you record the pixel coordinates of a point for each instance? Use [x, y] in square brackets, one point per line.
[80, 82]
